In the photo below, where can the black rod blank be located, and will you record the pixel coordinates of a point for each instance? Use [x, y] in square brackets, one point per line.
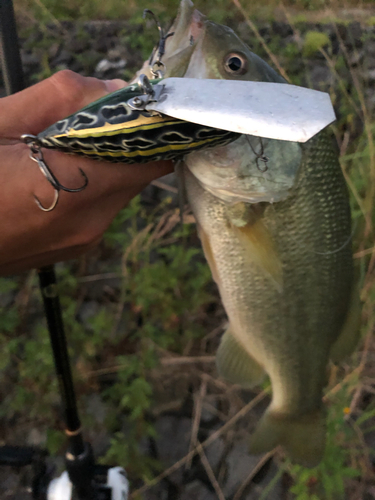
[14, 82]
[52, 308]
[9, 49]
[79, 457]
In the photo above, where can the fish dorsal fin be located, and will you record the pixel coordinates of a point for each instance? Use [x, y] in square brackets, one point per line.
[248, 225]
[235, 364]
[351, 330]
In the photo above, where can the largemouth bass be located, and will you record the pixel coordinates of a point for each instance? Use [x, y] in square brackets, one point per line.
[274, 221]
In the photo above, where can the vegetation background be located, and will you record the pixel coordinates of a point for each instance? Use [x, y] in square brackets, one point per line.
[142, 314]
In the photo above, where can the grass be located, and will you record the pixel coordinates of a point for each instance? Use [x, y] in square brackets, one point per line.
[147, 343]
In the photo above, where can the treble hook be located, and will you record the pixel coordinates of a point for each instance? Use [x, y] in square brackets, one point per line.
[260, 156]
[37, 156]
[160, 48]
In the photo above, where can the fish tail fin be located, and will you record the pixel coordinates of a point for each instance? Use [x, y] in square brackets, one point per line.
[303, 438]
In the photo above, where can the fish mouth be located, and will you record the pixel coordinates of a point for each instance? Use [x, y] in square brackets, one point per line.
[189, 29]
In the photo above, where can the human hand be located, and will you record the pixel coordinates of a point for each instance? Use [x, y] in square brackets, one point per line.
[32, 238]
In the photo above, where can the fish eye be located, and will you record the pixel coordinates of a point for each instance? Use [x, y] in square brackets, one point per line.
[235, 64]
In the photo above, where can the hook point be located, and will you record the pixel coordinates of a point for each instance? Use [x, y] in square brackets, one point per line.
[54, 203]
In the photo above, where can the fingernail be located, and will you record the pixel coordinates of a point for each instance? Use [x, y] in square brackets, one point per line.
[116, 84]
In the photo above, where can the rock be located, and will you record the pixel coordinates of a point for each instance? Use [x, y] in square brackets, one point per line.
[321, 77]
[172, 442]
[282, 29]
[101, 44]
[355, 34]
[158, 492]
[30, 60]
[214, 452]
[36, 438]
[239, 465]
[96, 408]
[351, 34]
[369, 75]
[369, 62]
[208, 416]
[54, 50]
[173, 438]
[356, 57]
[7, 296]
[88, 310]
[255, 490]
[117, 54]
[15, 483]
[266, 32]
[63, 57]
[370, 99]
[197, 491]
[79, 45]
[104, 66]
[370, 48]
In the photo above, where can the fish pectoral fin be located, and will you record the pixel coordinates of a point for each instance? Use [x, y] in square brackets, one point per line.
[350, 333]
[258, 244]
[302, 438]
[235, 364]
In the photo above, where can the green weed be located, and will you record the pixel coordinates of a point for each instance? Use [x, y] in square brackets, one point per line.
[314, 41]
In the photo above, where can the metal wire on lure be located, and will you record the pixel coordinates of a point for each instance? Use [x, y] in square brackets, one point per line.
[157, 67]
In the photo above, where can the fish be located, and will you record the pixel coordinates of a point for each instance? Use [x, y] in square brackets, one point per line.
[275, 225]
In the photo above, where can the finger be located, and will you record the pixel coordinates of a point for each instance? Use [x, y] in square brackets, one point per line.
[104, 178]
[34, 109]
[115, 84]
[31, 237]
[79, 218]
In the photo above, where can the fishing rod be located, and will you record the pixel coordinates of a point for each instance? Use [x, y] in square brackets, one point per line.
[83, 478]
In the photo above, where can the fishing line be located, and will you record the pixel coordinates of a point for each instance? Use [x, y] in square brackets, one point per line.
[160, 49]
[346, 243]
[330, 252]
[259, 156]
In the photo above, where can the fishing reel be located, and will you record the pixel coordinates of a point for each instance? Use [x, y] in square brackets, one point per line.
[105, 483]
[109, 483]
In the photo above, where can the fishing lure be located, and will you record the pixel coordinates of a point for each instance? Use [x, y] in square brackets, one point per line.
[117, 128]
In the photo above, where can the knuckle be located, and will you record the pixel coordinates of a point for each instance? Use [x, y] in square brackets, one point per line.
[70, 85]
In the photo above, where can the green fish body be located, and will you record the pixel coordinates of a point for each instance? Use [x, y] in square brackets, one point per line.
[277, 237]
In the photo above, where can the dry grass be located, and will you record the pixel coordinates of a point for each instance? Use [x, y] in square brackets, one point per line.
[314, 10]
